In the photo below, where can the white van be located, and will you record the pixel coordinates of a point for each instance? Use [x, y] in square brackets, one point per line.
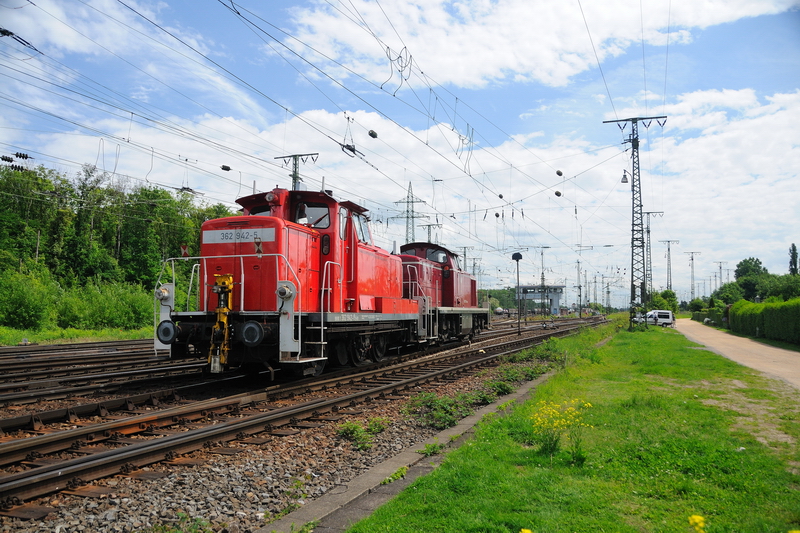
[661, 317]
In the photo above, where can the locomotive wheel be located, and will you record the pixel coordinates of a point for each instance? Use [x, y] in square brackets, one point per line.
[341, 355]
[360, 354]
[379, 348]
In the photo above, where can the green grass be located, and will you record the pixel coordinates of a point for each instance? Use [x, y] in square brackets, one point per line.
[12, 337]
[673, 433]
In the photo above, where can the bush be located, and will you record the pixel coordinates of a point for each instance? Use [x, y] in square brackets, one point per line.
[27, 300]
[440, 413]
[774, 320]
[105, 305]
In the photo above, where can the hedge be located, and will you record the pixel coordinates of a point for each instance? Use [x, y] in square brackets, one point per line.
[778, 321]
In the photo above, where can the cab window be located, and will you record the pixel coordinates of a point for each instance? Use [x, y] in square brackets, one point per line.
[437, 256]
[342, 223]
[263, 210]
[315, 215]
[362, 230]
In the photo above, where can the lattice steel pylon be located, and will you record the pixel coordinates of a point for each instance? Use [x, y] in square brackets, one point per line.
[669, 263]
[649, 260]
[409, 213]
[638, 277]
[691, 258]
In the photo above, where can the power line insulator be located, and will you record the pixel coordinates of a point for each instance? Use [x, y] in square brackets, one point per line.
[18, 168]
[20, 155]
[7, 159]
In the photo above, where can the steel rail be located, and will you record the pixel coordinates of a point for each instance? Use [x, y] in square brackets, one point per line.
[35, 421]
[86, 373]
[53, 389]
[27, 369]
[54, 350]
[29, 448]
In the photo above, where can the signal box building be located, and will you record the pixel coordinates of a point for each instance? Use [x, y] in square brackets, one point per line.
[542, 297]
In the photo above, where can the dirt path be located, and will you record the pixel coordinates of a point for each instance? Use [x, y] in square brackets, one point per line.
[775, 362]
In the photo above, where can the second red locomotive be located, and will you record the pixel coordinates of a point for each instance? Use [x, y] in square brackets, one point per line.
[296, 281]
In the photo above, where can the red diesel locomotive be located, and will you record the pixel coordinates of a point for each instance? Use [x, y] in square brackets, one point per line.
[295, 281]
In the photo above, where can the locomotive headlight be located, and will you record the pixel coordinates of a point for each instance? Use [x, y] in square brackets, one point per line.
[167, 331]
[162, 293]
[284, 292]
[251, 333]
[269, 197]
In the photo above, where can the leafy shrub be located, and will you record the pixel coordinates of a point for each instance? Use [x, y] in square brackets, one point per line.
[355, 433]
[440, 413]
[774, 320]
[500, 388]
[361, 436]
[400, 473]
[432, 449]
[105, 305]
[482, 397]
[27, 300]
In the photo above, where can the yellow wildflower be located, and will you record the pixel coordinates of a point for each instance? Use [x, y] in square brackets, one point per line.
[698, 523]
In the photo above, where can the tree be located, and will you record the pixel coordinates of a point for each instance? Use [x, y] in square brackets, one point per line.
[729, 293]
[784, 287]
[793, 260]
[696, 305]
[749, 267]
[752, 278]
[657, 302]
[671, 299]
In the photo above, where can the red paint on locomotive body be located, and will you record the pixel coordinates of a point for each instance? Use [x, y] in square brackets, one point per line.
[296, 281]
[434, 270]
[259, 251]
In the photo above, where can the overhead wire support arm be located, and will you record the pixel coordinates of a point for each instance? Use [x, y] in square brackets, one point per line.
[296, 158]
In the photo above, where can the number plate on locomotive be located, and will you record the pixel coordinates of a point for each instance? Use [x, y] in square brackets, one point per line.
[224, 236]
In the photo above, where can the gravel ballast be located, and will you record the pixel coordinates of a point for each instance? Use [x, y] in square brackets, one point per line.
[242, 492]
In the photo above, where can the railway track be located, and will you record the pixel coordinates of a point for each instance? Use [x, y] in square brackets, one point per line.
[53, 461]
[40, 374]
[50, 388]
[42, 351]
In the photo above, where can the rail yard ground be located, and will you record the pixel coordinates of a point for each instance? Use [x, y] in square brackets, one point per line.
[646, 431]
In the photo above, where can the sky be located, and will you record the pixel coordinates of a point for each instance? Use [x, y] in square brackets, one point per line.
[489, 119]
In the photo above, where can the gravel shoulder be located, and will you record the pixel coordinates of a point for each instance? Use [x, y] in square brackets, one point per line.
[774, 362]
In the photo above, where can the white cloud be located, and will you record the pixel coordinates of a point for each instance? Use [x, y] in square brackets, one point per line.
[473, 43]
